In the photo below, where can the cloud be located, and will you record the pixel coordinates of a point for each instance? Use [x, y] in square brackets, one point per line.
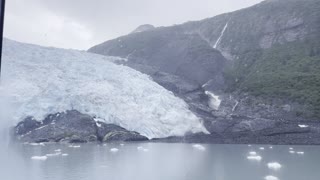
[81, 24]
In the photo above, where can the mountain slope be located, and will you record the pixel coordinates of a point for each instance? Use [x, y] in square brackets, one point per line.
[272, 47]
[40, 81]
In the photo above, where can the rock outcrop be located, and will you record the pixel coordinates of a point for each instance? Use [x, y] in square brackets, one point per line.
[72, 127]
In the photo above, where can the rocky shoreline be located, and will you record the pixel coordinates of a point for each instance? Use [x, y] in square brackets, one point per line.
[75, 127]
[72, 127]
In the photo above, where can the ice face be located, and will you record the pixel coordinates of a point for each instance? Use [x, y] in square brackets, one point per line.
[40, 81]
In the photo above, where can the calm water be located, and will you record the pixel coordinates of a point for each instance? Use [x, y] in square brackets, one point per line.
[158, 162]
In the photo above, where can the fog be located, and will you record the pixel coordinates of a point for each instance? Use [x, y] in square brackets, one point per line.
[80, 24]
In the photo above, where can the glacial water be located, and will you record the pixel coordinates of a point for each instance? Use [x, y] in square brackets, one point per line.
[158, 161]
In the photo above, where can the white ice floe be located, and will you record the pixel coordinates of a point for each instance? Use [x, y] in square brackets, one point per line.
[64, 154]
[254, 158]
[270, 147]
[39, 158]
[54, 154]
[38, 81]
[300, 153]
[75, 146]
[290, 148]
[271, 178]
[57, 150]
[249, 145]
[114, 150]
[253, 153]
[142, 149]
[37, 144]
[274, 165]
[121, 144]
[261, 148]
[292, 152]
[199, 147]
[303, 126]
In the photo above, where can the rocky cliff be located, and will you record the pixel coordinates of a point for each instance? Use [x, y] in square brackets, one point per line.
[251, 68]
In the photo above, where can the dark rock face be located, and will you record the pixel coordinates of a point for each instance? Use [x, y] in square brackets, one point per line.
[168, 50]
[73, 127]
[183, 58]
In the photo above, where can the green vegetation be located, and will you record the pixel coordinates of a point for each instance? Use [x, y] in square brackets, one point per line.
[290, 71]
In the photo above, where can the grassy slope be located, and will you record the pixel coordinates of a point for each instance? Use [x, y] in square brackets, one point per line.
[290, 71]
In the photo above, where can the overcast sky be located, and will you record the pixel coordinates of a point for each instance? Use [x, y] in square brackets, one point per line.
[80, 24]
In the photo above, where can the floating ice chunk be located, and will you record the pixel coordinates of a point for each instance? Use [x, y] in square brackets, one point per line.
[55, 154]
[303, 126]
[39, 158]
[292, 152]
[301, 153]
[121, 144]
[290, 148]
[261, 148]
[114, 150]
[199, 147]
[57, 150]
[140, 148]
[37, 144]
[270, 147]
[254, 158]
[253, 153]
[75, 146]
[274, 165]
[249, 145]
[145, 150]
[64, 154]
[271, 178]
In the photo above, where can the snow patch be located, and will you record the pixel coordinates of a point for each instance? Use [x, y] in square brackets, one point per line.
[42, 80]
[64, 154]
[253, 153]
[303, 126]
[300, 153]
[261, 148]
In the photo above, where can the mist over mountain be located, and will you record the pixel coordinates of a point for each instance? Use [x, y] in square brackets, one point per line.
[248, 69]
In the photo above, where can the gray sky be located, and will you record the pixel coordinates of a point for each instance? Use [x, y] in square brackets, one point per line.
[80, 24]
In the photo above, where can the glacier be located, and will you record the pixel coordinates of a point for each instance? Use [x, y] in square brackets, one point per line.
[38, 81]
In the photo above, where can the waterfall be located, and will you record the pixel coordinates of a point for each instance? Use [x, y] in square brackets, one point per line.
[214, 101]
[220, 37]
